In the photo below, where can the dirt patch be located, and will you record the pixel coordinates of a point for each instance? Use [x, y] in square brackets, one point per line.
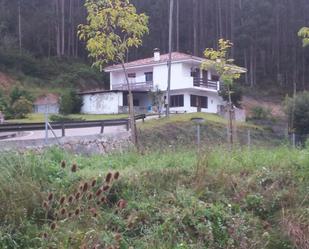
[6, 81]
[274, 105]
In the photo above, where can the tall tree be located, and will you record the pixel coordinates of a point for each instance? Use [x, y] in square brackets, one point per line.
[113, 28]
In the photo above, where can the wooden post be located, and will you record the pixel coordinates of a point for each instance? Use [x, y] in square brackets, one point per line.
[102, 127]
[63, 129]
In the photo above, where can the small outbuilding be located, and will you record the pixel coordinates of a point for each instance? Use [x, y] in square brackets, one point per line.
[47, 103]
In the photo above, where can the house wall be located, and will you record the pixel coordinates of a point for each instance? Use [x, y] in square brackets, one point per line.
[214, 100]
[118, 77]
[102, 103]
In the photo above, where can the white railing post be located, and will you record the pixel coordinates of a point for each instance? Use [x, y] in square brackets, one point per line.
[218, 85]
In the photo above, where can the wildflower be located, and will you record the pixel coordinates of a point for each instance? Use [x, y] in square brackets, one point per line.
[45, 236]
[116, 175]
[117, 237]
[63, 164]
[108, 177]
[62, 200]
[70, 214]
[94, 212]
[74, 168]
[103, 199]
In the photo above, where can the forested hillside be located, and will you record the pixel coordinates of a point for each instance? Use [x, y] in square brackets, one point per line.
[264, 32]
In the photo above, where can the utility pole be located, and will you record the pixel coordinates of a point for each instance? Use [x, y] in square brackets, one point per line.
[170, 41]
[19, 26]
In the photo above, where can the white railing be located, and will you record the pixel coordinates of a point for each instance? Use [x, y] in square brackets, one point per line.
[142, 86]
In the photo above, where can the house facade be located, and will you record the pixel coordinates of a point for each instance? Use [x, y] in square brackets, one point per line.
[192, 89]
[47, 103]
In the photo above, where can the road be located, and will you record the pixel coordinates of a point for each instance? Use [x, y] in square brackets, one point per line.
[68, 133]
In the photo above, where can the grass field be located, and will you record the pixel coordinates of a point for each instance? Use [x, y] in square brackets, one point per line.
[221, 199]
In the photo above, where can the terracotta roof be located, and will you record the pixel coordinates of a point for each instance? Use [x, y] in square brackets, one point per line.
[47, 99]
[176, 56]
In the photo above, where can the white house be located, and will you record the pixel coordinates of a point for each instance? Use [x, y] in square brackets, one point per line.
[192, 89]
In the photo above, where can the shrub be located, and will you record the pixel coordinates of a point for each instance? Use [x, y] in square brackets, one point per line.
[70, 103]
[297, 111]
[260, 113]
[21, 107]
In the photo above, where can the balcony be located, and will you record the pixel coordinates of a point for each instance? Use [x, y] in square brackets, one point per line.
[138, 86]
[205, 83]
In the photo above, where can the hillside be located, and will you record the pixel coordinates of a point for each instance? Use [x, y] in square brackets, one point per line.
[41, 75]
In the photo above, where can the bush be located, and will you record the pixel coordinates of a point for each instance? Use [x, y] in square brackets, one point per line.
[21, 107]
[260, 113]
[70, 103]
[297, 111]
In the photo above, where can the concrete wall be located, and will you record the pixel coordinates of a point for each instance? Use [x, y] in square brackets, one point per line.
[102, 103]
[88, 145]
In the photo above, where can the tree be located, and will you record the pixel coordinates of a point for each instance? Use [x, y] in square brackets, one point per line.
[157, 97]
[113, 28]
[22, 107]
[304, 34]
[297, 111]
[219, 61]
[70, 103]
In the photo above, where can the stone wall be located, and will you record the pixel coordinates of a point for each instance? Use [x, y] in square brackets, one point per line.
[86, 145]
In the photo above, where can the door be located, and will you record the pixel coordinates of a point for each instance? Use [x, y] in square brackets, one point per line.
[205, 77]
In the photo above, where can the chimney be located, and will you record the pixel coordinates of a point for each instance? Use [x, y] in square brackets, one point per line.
[156, 54]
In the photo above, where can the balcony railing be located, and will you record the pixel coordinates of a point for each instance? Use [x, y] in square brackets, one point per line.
[138, 86]
[210, 84]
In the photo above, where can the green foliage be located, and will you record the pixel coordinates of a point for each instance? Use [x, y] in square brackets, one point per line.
[297, 110]
[260, 113]
[236, 94]
[63, 118]
[113, 28]
[17, 93]
[304, 34]
[22, 107]
[70, 103]
[219, 61]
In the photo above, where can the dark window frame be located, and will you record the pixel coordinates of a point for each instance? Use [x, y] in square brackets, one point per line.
[147, 74]
[203, 101]
[177, 100]
[131, 75]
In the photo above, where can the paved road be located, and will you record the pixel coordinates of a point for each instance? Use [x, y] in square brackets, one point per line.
[68, 133]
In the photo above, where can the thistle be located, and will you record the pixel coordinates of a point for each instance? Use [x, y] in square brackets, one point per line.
[85, 187]
[93, 183]
[108, 177]
[116, 175]
[74, 168]
[77, 195]
[70, 199]
[63, 164]
[105, 188]
[45, 205]
[77, 211]
[50, 196]
[122, 204]
[53, 226]
[99, 192]
[62, 200]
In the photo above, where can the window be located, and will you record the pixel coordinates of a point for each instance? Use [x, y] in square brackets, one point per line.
[149, 76]
[131, 75]
[199, 101]
[177, 101]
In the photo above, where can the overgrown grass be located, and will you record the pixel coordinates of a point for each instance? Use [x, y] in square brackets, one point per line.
[221, 199]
